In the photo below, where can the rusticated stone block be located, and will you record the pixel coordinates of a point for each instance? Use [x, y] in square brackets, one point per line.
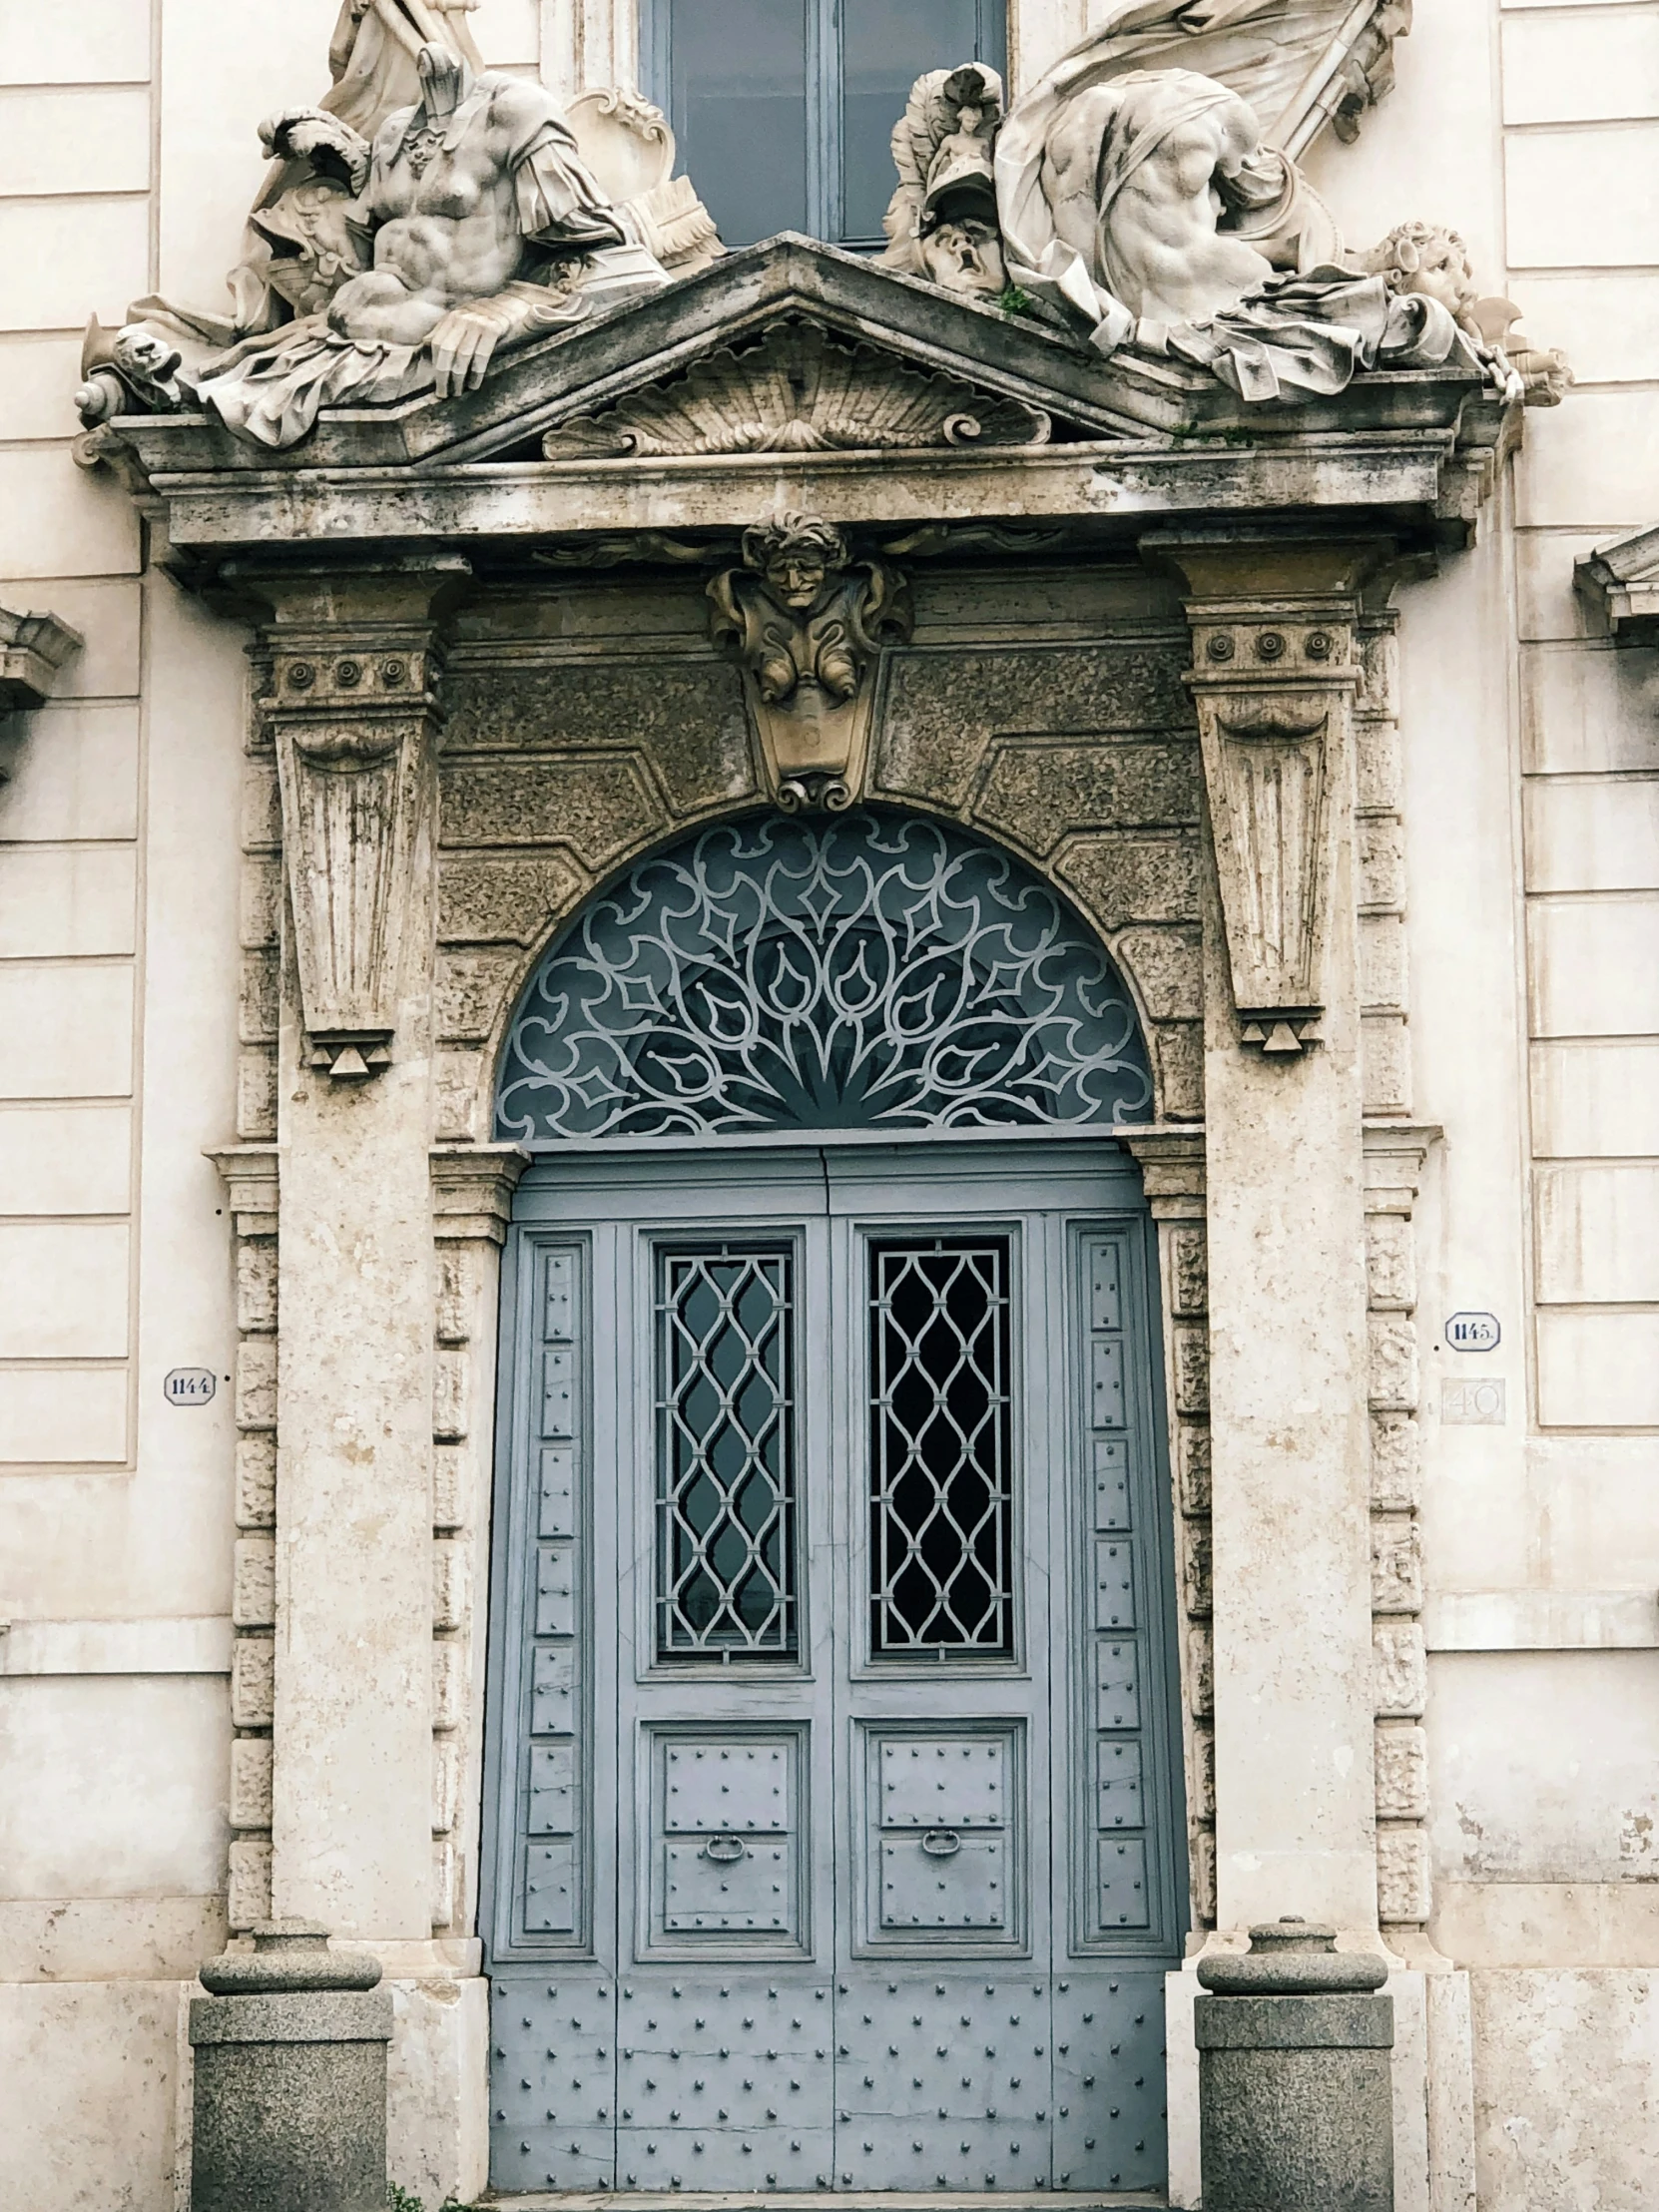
[256, 1284]
[1204, 1774]
[1168, 968]
[1396, 1463]
[1383, 960]
[1189, 1270]
[1202, 1863]
[1401, 1668]
[252, 1682]
[1201, 1670]
[443, 1883]
[257, 1000]
[599, 809]
[450, 1472]
[1121, 877]
[257, 1382]
[1196, 1577]
[1393, 1362]
[1193, 1448]
[254, 1582]
[262, 808]
[448, 1684]
[455, 1298]
[685, 714]
[449, 1586]
[1385, 1064]
[1178, 1058]
[250, 1782]
[471, 991]
[1401, 1773]
[452, 1396]
[261, 903]
[256, 1479]
[1396, 1566]
[1379, 650]
[944, 710]
[1403, 1891]
[248, 1898]
[256, 1094]
[1191, 1368]
[1382, 854]
[447, 1783]
[1391, 1263]
[505, 900]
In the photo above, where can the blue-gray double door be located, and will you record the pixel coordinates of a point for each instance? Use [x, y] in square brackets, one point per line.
[831, 1831]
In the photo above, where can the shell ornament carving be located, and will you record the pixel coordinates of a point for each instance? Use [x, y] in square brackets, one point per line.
[800, 390]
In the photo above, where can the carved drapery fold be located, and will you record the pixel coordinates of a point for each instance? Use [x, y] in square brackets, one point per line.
[354, 708]
[1271, 684]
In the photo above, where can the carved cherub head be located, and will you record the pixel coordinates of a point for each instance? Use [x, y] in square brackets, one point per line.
[794, 555]
[1426, 258]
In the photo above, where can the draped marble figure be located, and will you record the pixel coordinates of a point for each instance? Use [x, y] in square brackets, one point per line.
[481, 226]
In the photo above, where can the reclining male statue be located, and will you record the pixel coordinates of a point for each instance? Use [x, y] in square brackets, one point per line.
[477, 226]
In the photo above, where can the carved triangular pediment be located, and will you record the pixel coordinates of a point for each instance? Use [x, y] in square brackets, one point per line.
[798, 385]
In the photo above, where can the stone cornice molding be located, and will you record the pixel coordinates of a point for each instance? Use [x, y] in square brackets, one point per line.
[1172, 1162]
[472, 1190]
[353, 659]
[34, 651]
[1620, 585]
[1133, 441]
[1396, 1153]
[252, 1175]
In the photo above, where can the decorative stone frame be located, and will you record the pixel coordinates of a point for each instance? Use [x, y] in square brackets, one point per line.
[1060, 694]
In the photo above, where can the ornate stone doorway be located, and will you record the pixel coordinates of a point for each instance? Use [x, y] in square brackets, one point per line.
[834, 1805]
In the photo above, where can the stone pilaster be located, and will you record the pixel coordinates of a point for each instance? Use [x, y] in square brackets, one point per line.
[472, 1195]
[353, 660]
[1171, 1167]
[251, 1176]
[1273, 676]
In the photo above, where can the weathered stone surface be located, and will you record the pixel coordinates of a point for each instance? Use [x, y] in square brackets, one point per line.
[1036, 789]
[1396, 1463]
[686, 715]
[1167, 964]
[1401, 1773]
[1195, 1469]
[599, 807]
[502, 899]
[1401, 1667]
[471, 991]
[943, 711]
[1121, 878]
[1178, 1057]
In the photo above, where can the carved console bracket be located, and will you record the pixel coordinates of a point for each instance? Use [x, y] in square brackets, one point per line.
[810, 627]
[34, 651]
[353, 699]
[1274, 676]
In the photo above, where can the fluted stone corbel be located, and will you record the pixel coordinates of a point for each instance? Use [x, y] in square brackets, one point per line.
[1273, 673]
[354, 701]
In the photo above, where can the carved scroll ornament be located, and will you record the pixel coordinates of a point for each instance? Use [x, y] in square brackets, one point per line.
[1268, 698]
[800, 390]
[807, 625]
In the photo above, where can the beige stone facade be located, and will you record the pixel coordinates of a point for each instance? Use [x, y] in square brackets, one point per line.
[1416, 1589]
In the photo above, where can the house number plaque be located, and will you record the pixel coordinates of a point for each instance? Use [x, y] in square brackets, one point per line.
[190, 1385]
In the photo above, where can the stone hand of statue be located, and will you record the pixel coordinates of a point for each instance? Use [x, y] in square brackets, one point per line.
[331, 146]
[463, 344]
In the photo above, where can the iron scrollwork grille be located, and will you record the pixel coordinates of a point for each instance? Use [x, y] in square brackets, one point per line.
[725, 1453]
[874, 971]
[941, 1495]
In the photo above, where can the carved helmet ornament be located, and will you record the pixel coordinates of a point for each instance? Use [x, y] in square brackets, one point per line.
[807, 625]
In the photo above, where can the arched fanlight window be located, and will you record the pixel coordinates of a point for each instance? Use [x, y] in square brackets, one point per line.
[861, 971]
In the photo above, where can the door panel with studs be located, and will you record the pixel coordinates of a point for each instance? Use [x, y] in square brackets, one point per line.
[833, 1561]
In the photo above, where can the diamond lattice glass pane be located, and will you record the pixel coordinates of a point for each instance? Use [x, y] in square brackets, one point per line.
[724, 1453]
[941, 1447]
[870, 972]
